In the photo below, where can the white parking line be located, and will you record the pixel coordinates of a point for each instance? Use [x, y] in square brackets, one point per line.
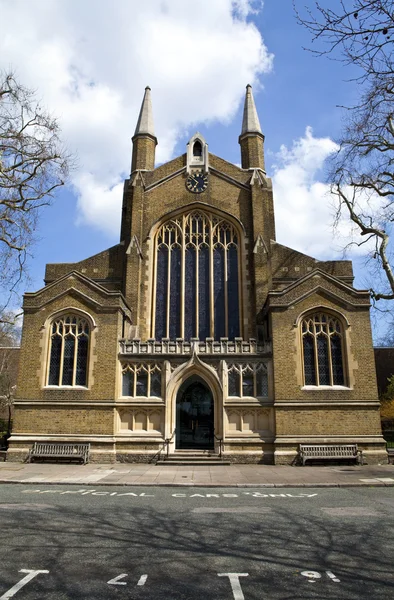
[235, 583]
[30, 575]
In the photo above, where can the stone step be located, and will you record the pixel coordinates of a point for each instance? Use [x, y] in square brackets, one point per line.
[192, 457]
[193, 462]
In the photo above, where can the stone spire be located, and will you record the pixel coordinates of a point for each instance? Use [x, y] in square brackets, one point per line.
[250, 122]
[145, 120]
[251, 138]
[144, 139]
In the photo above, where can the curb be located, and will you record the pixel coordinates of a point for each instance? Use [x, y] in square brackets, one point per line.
[203, 485]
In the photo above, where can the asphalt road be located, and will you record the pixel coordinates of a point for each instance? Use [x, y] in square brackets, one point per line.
[97, 543]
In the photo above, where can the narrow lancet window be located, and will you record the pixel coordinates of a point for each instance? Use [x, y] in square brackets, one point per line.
[68, 355]
[322, 344]
[197, 149]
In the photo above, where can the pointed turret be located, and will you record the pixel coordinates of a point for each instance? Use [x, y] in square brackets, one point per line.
[144, 139]
[251, 138]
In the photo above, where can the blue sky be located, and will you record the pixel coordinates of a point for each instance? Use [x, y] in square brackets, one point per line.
[90, 62]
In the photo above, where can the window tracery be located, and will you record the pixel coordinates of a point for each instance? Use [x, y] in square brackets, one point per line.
[197, 278]
[141, 380]
[68, 353]
[322, 343]
[247, 380]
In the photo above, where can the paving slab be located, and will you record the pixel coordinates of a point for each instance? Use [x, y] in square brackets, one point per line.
[199, 475]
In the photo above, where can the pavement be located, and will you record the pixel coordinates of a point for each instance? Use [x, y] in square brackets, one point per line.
[203, 476]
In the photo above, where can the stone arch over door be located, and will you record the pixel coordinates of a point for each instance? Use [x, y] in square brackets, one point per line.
[193, 370]
[195, 416]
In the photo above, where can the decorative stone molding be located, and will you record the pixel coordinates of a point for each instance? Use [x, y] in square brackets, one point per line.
[186, 347]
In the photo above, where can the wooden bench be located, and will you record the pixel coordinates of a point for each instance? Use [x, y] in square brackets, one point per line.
[59, 451]
[330, 452]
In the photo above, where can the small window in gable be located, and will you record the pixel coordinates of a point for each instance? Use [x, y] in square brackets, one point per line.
[68, 353]
[197, 149]
[322, 345]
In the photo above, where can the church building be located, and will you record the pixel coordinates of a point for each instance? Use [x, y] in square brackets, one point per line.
[198, 332]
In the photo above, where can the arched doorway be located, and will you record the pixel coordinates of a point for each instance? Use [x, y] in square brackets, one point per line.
[194, 416]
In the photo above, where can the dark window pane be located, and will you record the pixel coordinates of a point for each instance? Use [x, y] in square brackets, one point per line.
[309, 360]
[161, 293]
[218, 278]
[155, 384]
[233, 383]
[175, 293]
[54, 365]
[128, 383]
[322, 358]
[82, 359]
[68, 360]
[190, 293]
[262, 383]
[142, 384]
[232, 291]
[197, 148]
[247, 384]
[336, 355]
[203, 292]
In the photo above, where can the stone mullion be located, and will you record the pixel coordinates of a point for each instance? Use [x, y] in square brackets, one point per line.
[153, 303]
[183, 260]
[330, 357]
[211, 282]
[225, 290]
[168, 291]
[75, 359]
[148, 381]
[255, 381]
[316, 354]
[134, 382]
[61, 360]
[197, 250]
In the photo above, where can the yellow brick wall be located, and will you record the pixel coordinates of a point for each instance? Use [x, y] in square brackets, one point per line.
[103, 353]
[288, 368]
[327, 421]
[64, 420]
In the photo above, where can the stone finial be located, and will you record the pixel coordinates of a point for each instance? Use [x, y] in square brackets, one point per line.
[145, 120]
[250, 122]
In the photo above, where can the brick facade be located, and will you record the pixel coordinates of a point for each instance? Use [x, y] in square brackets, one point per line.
[115, 290]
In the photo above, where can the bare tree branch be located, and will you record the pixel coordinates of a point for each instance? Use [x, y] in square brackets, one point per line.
[33, 165]
[361, 33]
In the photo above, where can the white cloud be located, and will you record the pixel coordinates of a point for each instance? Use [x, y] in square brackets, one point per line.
[91, 60]
[304, 207]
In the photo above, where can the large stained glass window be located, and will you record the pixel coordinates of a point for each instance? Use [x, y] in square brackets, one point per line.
[322, 341]
[68, 354]
[197, 278]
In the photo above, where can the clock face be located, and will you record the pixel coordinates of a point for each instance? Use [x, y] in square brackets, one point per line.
[197, 182]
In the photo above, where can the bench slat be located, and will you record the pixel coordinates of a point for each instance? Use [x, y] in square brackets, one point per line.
[58, 450]
[329, 451]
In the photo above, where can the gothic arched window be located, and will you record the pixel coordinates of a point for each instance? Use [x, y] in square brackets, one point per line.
[197, 278]
[68, 352]
[197, 148]
[322, 341]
